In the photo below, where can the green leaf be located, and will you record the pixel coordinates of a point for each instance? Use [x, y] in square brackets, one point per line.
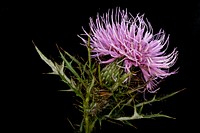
[72, 70]
[69, 66]
[46, 60]
[154, 99]
[133, 117]
[118, 105]
[71, 57]
[157, 115]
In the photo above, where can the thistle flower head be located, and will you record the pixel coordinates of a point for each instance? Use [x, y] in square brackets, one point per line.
[118, 34]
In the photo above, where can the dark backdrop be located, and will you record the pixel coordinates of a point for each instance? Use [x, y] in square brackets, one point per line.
[32, 98]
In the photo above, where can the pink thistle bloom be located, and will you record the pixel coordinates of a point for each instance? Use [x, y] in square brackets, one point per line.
[120, 35]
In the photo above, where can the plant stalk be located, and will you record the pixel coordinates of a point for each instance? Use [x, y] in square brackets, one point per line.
[86, 114]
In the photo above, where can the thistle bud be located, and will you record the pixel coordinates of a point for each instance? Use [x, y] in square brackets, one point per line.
[111, 73]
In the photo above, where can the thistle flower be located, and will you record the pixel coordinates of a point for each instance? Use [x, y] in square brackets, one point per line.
[117, 34]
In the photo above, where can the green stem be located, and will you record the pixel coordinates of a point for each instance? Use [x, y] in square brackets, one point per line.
[89, 53]
[88, 122]
[86, 114]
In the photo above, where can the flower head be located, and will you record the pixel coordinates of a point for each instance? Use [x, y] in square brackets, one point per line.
[117, 34]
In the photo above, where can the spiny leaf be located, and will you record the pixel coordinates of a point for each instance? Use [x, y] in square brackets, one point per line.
[46, 60]
[154, 99]
[115, 108]
[169, 95]
[72, 58]
[157, 115]
[69, 67]
[71, 85]
[133, 117]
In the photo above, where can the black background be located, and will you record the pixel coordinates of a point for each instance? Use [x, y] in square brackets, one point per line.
[32, 100]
